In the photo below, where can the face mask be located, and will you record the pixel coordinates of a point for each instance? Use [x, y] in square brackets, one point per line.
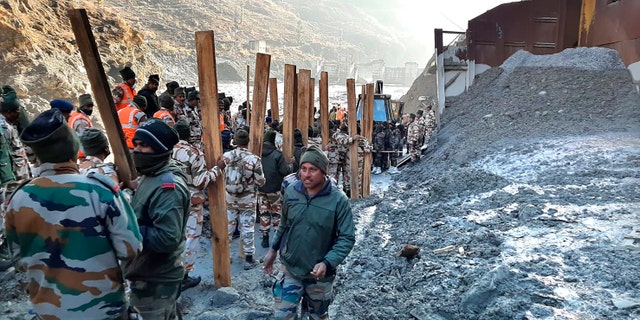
[88, 112]
[149, 163]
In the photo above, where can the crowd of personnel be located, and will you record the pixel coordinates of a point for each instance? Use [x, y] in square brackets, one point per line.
[78, 232]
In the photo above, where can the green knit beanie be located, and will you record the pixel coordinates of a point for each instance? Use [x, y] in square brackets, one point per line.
[241, 137]
[10, 102]
[85, 99]
[50, 138]
[140, 101]
[316, 157]
[93, 142]
[182, 127]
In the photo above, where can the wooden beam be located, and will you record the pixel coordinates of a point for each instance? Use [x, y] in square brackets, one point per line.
[304, 77]
[212, 140]
[259, 105]
[102, 94]
[367, 132]
[312, 101]
[324, 108]
[289, 106]
[353, 148]
[273, 97]
[248, 119]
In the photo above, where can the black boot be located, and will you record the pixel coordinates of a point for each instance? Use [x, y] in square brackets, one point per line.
[265, 241]
[189, 282]
[249, 263]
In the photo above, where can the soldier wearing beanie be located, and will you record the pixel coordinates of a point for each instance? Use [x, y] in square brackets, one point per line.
[131, 117]
[244, 175]
[180, 97]
[320, 233]
[149, 92]
[194, 167]
[11, 144]
[95, 147]
[166, 111]
[275, 167]
[191, 113]
[161, 203]
[93, 228]
[413, 137]
[81, 119]
[124, 92]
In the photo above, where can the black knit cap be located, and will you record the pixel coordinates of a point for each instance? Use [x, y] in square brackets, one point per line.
[270, 136]
[193, 94]
[126, 73]
[154, 78]
[297, 136]
[167, 102]
[156, 134]
[182, 127]
[316, 157]
[172, 84]
[93, 142]
[50, 138]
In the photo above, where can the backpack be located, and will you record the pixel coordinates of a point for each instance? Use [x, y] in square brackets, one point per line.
[234, 174]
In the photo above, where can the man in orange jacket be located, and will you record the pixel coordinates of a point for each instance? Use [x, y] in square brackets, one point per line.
[124, 92]
[131, 117]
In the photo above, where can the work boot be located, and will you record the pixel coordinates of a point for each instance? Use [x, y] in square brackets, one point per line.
[189, 282]
[249, 263]
[265, 241]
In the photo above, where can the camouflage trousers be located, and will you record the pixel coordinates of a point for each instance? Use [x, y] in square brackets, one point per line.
[243, 209]
[193, 230]
[155, 300]
[288, 291]
[379, 160]
[414, 151]
[393, 158]
[270, 210]
[343, 168]
[360, 166]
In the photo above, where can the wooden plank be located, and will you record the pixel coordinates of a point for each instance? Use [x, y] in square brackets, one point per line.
[273, 97]
[367, 132]
[312, 101]
[248, 96]
[259, 104]
[212, 140]
[304, 77]
[324, 108]
[353, 148]
[288, 123]
[102, 94]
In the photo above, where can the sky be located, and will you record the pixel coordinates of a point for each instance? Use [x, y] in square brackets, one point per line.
[418, 18]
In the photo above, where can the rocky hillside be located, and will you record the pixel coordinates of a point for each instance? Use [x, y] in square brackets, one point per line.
[40, 58]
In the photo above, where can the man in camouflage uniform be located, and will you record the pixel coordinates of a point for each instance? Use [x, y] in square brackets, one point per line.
[179, 96]
[413, 138]
[242, 204]
[192, 115]
[332, 153]
[430, 123]
[275, 167]
[364, 148]
[422, 125]
[194, 166]
[314, 138]
[161, 204]
[343, 141]
[95, 146]
[395, 146]
[379, 138]
[70, 230]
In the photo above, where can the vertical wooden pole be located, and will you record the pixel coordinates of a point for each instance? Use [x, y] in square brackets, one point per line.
[208, 83]
[324, 108]
[259, 105]
[312, 101]
[102, 94]
[248, 96]
[304, 77]
[353, 148]
[289, 106]
[367, 132]
[273, 97]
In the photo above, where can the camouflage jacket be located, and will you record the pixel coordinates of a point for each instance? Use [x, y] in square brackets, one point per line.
[95, 165]
[317, 141]
[343, 141]
[192, 115]
[379, 139]
[19, 160]
[413, 132]
[395, 139]
[253, 175]
[364, 146]
[70, 231]
[422, 124]
[431, 121]
[194, 166]
[332, 150]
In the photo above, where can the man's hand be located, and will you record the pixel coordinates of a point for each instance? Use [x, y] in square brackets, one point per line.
[269, 258]
[216, 173]
[319, 270]
[221, 163]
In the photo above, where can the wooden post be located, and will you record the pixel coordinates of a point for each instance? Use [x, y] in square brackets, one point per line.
[367, 132]
[312, 101]
[324, 108]
[259, 105]
[353, 148]
[304, 77]
[102, 94]
[273, 97]
[289, 106]
[248, 119]
[208, 83]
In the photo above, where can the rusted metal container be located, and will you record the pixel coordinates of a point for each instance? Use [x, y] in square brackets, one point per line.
[538, 26]
[613, 24]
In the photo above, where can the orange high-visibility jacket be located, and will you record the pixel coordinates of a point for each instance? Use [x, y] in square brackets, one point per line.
[129, 123]
[75, 117]
[127, 96]
[164, 114]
